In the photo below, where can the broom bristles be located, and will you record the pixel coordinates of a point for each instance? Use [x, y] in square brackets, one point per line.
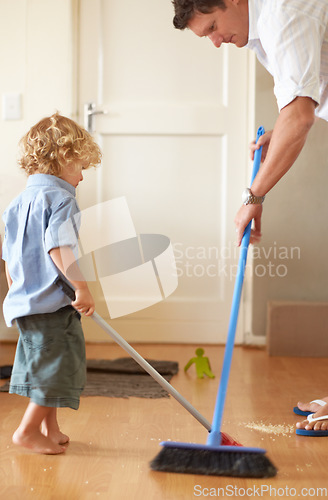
[213, 462]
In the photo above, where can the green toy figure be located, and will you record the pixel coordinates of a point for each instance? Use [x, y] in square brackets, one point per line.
[202, 364]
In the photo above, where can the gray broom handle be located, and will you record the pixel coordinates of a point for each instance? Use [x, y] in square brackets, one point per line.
[146, 366]
[68, 290]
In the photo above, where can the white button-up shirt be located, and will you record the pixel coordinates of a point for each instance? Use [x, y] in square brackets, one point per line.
[290, 39]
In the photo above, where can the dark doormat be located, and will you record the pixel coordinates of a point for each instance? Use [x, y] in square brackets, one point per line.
[124, 378]
[5, 371]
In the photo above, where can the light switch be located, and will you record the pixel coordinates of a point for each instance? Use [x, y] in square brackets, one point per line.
[11, 106]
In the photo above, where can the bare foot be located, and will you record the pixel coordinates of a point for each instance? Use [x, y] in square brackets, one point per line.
[321, 425]
[313, 407]
[50, 428]
[56, 436]
[37, 442]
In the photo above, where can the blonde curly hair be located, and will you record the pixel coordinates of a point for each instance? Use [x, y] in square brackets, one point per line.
[55, 143]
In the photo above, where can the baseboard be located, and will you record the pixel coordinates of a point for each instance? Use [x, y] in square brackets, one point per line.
[254, 340]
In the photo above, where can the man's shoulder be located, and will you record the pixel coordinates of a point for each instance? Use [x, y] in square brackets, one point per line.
[316, 10]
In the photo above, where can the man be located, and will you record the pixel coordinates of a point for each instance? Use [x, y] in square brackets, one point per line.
[290, 39]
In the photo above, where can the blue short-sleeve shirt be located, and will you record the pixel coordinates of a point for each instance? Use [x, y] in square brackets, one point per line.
[35, 223]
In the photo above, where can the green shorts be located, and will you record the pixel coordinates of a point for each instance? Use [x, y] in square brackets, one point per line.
[50, 365]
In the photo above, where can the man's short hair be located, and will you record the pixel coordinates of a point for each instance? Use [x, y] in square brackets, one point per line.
[186, 9]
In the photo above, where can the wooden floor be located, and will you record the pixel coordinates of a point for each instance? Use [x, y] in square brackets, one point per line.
[113, 440]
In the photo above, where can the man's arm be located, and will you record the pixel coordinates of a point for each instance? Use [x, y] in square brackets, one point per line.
[287, 140]
[64, 259]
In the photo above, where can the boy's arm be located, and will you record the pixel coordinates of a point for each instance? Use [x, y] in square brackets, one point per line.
[9, 280]
[64, 259]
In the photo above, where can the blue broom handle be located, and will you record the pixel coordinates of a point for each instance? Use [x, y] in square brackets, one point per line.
[214, 437]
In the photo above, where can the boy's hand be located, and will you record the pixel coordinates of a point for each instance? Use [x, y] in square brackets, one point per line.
[84, 302]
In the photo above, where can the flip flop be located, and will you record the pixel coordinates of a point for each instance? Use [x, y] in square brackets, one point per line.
[306, 413]
[305, 432]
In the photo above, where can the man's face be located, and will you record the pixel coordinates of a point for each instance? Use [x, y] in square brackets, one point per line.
[223, 26]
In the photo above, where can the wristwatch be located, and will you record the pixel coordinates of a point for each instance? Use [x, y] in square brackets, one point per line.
[249, 198]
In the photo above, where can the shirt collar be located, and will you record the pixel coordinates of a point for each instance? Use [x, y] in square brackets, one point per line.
[49, 180]
[254, 11]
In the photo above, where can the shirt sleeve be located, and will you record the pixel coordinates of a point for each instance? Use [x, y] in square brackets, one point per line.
[63, 226]
[3, 249]
[292, 41]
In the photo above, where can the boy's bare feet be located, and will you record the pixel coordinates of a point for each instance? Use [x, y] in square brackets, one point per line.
[321, 425]
[55, 435]
[60, 438]
[35, 441]
[29, 434]
[50, 428]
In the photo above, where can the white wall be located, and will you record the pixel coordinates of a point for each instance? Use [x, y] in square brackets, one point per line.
[37, 61]
[294, 223]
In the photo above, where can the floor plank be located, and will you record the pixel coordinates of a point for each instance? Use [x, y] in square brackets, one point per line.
[113, 440]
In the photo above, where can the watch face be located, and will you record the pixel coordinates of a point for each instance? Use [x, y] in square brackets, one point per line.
[245, 195]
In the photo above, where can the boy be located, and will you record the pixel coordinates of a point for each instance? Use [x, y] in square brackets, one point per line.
[49, 365]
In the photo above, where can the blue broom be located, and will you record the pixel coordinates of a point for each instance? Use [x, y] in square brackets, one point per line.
[215, 458]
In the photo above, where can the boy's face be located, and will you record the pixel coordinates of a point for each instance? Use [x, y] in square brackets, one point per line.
[73, 174]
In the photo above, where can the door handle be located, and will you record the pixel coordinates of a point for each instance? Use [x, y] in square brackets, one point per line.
[90, 112]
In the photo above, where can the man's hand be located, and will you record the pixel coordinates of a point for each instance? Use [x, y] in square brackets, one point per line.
[264, 141]
[281, 147]
[245, 214]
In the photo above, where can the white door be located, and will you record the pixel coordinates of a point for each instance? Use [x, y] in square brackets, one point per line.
[174, 142]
